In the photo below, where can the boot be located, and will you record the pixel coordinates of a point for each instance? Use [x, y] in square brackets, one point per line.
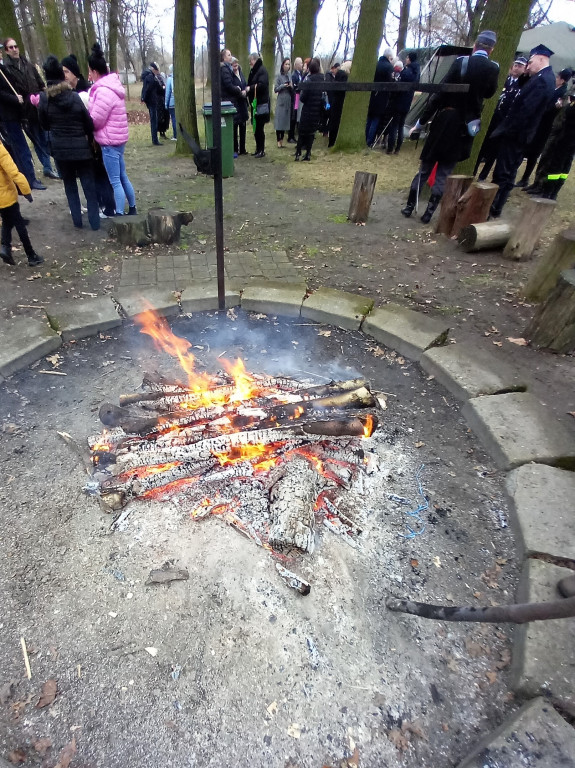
[533, 189]
[410, 205]
[132, 211]
[297, 156]
[307, 156]
[6, 255]
[430, 210]
[34, 259]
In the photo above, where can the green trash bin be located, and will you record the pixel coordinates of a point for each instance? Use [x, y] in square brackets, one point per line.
[228, 112]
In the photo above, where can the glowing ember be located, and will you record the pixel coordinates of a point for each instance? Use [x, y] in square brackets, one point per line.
[237, 445]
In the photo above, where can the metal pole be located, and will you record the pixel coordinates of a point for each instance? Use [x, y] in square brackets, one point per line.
[214, 23]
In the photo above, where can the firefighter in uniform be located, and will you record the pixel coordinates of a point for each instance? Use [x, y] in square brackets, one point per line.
[520, 124]
[456, 121]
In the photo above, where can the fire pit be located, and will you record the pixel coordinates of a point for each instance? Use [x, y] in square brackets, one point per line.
[227, 666]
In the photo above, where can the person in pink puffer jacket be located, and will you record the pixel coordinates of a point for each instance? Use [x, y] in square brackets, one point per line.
[107, 108]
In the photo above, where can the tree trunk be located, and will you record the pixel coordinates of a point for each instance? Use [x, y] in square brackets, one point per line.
[404, 9]
[113, 36]
[54, 30]
[455, 186]
[89, 23]
[553, 326]
[131, 230]
[361, 196]
[184, 78]
[305, 24]
[560, 256]
[269, 34]
[28, 31]
[351, 134]
[484, 237]
[39, 30]
[237, 30]
[76, 43]
[534, 218]
[164, 225]
[9, 23]
[473, 206]
[507, 20]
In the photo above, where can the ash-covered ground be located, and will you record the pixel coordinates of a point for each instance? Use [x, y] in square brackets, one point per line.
[231, 667]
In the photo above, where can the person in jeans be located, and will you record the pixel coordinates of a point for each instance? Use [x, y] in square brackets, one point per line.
[27, 82]
[11, 180]
[71, 129]
[153, 97]
[107, 108]
[171, 102]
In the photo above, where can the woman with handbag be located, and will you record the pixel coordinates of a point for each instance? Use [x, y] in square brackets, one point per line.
[310, 119]
[259, 95]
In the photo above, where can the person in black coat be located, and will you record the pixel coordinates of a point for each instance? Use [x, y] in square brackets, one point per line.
[456, 121]
[62, 113]
[558, 154]
[379, 100]
[520, 124]
[259, 91]
[311, 112]
[514, 81]
[400, 103]
[11, 116]
[153, 97]
[336, 100]
[536, 145]
[242, 115]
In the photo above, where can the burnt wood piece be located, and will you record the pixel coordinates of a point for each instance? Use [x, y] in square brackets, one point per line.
[473, 206]
[164, 225]
[455, 186]
[131, 230]
[518, 613]
[338, 428]
[361, 196]
[534, 218]
[484, 237]
[560, 256]
[292, 499]
[154, 380]
[293, 580]
[113, 416]
[166, 575]
[553, 326]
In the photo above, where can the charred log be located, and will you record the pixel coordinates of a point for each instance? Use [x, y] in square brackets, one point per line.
[294, 581]
[292, 501]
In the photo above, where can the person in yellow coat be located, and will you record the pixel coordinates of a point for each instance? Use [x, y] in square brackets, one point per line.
[11, 180]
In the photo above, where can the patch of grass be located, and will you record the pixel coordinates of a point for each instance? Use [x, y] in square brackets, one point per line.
[448, 310]
[482, 278]
[338, 218]
[312, 251]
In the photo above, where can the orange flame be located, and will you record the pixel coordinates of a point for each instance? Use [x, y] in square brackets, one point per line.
[245, 383]
[241, 453]
[368, 426]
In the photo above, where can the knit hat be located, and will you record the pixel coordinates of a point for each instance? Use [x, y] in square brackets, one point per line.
[412, 56]
[52, 69]
[153, 65]
[487, 38]
[71, 63]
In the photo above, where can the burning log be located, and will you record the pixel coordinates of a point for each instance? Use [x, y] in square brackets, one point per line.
[112, 416]
[293, 581]
[292, 501]
[360, 426]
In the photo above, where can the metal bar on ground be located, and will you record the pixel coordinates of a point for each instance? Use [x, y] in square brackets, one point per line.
[214, 24]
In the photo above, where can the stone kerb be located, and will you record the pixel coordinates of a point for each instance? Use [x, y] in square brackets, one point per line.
[164, 302]
[203, 297]
[25, 340]
[409, 333]
[80, 319]
[274, 298]
[347, 310]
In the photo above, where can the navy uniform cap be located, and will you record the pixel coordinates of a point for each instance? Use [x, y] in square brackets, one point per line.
[541, 50]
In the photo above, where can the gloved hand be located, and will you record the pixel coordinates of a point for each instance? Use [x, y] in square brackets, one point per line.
[29, 198]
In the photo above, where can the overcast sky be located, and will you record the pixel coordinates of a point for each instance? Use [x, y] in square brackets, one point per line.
[163, 10]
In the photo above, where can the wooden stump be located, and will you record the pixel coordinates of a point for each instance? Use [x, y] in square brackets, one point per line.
[130, 230]
[534, 218]
[455, 186]
[164, 225]
[484, 237]
[560, 256]
[553, 326]
[361, 196]
[473, 206]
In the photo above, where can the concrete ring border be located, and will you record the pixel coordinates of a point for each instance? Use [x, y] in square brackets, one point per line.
[513, 426]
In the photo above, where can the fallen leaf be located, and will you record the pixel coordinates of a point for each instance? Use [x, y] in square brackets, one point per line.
[400, 361]
[437, 562]
[273, 708]
[414, 563]
[474, 649]
[398, 739]
[107, 268]
[498, 343]
[42, 746]
[419, 444]
[413, 728]
[519, 342]
[55, 360]
[17, 756]
[37, 276]
[491, 676]
[351, 762]
[490, 576]
[231, 314]
[324, 333]
[49, 692]
[505, 659]
[294, 731]
[66, 755]
[452, 665]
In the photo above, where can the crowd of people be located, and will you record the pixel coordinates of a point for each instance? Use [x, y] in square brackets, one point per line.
[298, 112]
[81, 124]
